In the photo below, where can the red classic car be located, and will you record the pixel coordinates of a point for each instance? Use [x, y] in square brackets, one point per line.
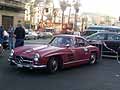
[62, 51]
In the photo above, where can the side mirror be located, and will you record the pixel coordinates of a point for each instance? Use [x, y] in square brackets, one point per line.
[89, 40]
[67, 45]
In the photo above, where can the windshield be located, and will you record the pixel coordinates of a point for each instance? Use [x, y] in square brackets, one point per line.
[87, 33]
[61, 41]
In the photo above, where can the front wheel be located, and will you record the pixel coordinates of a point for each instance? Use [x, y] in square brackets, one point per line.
[93, 58]
[52, 65]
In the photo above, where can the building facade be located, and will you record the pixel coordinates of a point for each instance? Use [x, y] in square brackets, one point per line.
[11, 13]
[43, 14]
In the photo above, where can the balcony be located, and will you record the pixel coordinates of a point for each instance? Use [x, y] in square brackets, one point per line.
[12, 5]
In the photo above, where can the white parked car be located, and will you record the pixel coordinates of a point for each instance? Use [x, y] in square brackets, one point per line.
[77, 33]
[45, 34]
[31, 35]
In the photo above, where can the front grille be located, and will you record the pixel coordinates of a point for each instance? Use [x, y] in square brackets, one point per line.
[23, 60]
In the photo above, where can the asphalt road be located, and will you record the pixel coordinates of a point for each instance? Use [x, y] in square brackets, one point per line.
[102, 76]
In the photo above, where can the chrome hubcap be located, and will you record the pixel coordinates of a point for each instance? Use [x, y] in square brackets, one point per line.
[93, 59]
[54, 65]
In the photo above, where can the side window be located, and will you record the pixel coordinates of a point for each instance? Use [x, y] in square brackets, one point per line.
[98, 37]
[118, 37]
[112, 37]
[66, 41]
[80, 42]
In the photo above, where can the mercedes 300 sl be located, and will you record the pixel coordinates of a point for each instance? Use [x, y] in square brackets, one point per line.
[61, 52]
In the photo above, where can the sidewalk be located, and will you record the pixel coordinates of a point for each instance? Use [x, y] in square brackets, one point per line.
[39, 41]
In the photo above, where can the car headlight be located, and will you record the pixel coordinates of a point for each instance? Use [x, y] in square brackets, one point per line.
[36, 57]
[12, 52]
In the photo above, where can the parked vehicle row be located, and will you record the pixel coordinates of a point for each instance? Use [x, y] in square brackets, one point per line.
[94, 29]
[31, 35]
[37, 35]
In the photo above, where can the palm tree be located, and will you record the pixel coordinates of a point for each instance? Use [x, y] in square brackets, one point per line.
[70, 5]
[63, 6]
[76, 7]
[31, 4]
[55, 13]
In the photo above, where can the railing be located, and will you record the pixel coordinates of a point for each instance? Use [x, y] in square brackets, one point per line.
[109, 50]
[13, 3]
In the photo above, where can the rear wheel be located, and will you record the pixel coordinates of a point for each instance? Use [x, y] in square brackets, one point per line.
[52, 65]
[93, 58]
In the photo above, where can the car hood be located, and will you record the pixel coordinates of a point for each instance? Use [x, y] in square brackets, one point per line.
[30, 50]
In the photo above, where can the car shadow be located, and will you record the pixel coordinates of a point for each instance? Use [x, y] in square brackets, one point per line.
[43, 72]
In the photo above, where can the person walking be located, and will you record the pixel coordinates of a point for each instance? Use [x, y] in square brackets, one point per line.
[11, 35]
[1, 40]
[1, 34]
[19, 35]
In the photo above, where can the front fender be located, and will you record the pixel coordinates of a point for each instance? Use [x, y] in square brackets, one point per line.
[94, 50]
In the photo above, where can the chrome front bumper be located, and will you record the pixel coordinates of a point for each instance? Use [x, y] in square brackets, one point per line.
[22, 65]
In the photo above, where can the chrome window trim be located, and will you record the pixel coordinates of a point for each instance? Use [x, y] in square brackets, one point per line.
[76, 61]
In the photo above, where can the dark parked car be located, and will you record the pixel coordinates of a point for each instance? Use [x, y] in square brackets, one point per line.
[63, 51]
[110, 41]
[96, 28]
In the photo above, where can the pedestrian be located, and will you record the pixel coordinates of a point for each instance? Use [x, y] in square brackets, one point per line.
[6, 40]
[1, 39]
[1, 34]
[70, 28]
[11, 35]
[64, 29]
[19, 35]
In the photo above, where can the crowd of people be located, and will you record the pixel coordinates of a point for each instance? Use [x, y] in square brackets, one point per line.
[14, 34]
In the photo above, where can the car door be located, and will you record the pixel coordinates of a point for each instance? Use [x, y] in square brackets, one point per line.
[98, 39]
[113, 41]
[81, 50]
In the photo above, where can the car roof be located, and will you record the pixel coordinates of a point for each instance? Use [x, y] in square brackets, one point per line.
[100, 27]
[104, 26]
[106, 32]
[68, 35]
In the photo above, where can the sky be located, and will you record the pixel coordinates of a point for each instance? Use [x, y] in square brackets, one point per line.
[106, 7]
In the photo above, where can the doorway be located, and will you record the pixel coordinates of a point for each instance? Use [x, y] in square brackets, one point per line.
[7, 21]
